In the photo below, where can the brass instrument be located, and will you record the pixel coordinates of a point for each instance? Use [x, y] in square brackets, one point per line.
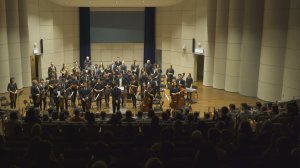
[64, 71]
[75, 71]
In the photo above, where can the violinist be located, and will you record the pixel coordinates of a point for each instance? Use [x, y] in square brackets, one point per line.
[98, 89]
[13, 90]
[73, 84]
[133, 87]
[85, 96]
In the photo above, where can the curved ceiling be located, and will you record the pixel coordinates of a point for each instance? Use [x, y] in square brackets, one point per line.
[116, 3]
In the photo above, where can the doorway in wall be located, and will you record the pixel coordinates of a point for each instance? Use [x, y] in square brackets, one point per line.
[34, 64]
[200, 67]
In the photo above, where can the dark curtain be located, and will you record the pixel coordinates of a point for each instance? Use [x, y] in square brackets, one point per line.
[149, 35]
[84, 26]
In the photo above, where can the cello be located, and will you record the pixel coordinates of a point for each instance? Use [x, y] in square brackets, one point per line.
[180, 98]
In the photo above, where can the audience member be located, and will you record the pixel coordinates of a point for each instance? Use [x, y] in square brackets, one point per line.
[128, 117]
[153, 163]
[76, 117]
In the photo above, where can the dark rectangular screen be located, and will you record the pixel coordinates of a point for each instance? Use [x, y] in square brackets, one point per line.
[117, 26]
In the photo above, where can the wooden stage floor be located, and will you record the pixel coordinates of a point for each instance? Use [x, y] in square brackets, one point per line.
[207, 98]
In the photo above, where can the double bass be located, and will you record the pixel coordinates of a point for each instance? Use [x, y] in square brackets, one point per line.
[177, 99]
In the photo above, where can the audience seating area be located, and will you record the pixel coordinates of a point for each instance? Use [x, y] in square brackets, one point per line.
[262, 136]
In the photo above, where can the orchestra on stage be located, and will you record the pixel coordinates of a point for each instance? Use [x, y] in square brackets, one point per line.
[76, 86]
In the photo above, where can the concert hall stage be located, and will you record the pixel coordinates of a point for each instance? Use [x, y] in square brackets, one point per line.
[205, 99]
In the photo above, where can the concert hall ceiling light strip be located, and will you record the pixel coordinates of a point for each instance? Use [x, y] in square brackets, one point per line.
[116, 3]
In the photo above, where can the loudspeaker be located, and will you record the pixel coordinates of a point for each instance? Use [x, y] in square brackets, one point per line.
[193, 45]
[42, 46]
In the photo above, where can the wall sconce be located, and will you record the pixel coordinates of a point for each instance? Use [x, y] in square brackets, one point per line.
[184, 48]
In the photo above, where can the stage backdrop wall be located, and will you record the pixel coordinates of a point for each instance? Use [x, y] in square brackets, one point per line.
[108, 52]
[250, 45]
[24, 23]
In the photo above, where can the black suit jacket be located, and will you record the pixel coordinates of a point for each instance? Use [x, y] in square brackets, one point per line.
[34, 91]
[115, 94]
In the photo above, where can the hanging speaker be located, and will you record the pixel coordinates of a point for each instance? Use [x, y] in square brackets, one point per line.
[193, 45]
[42, 46]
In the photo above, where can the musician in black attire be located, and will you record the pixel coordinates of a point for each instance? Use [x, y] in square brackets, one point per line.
[85, 77]
[153, 84]
[143, 81]
[135, 68]
[73, 83]
[180, 80]
[35, 93]
[188, 84]
[85, 96]
[51, 86]
[96, 72]
[43, 88]
[98, 89]
[65, 92]
[13, 90]
[150, 93]
[123, 67]
[107, 84]
[127, 77]
[116, 96]
[121, 83]
[170, 73]
[58, 97]
[174, 88]
[133, 90]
